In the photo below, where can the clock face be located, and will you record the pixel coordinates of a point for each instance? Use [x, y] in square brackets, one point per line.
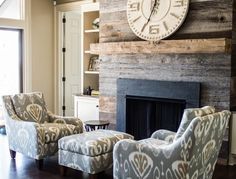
[156, 19]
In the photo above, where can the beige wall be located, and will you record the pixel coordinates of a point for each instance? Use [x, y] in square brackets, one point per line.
[42, 49]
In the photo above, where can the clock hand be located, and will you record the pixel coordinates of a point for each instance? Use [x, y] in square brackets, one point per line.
[149, 18]
[153, 8]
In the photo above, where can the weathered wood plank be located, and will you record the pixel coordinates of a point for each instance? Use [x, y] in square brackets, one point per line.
[107, 104]
[205, 19]
[211, 70]
[164, 47]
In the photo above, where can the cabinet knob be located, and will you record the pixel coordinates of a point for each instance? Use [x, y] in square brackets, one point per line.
[97, 106]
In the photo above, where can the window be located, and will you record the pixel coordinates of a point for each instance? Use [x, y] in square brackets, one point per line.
[10, 60]
[10, 63]
[11, 9]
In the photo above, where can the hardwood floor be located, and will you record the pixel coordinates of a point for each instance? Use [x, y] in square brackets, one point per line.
[25, 168]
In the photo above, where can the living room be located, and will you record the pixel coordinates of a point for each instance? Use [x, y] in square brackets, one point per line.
[186, 61]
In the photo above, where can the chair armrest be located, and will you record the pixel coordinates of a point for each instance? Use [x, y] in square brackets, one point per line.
[135, 159]
[25, 137]
[165, 135]
[65, 120]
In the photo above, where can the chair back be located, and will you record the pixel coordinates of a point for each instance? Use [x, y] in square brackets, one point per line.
[189, 115]
[201, 143]
[27, 106]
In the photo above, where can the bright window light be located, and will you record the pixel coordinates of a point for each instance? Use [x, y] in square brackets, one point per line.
[1, 1]
[11, 9]
[9, 62]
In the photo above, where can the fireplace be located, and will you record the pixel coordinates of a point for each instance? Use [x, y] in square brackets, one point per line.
[143, 106]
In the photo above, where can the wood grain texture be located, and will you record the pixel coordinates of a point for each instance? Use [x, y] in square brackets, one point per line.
[206, 19]
[107, 104]
[193, 46]
[210, 70]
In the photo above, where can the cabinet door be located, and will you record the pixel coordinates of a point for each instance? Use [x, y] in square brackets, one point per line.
[87, 109]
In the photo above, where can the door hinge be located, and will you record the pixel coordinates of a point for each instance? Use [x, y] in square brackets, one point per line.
[63, 79]
[63, 20]
[64, 50]
[63, 108]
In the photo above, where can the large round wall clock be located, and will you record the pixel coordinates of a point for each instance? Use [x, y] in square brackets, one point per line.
[156, 19]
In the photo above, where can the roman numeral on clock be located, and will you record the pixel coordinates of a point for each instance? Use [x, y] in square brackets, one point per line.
[179, 3]
[134, 6]
[154, 29]
[136, 19]
[174, 15]
[165, 26]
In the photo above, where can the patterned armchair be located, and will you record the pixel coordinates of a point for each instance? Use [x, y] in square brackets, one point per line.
[191, 153]
[32, 130]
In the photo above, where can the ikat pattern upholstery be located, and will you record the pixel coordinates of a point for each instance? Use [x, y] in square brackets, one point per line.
[192, 156]
[30, 107]
[188, 116]
[164, 135]
[90, 152]
[29, 133]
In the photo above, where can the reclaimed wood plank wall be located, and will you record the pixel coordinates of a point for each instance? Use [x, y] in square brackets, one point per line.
[206, 19]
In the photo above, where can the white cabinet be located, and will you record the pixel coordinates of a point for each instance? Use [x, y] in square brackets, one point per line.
[86, 108]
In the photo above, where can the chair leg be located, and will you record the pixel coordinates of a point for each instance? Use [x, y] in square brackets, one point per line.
[93, 176]
[39, 164]
[63, 170]
[12, 153]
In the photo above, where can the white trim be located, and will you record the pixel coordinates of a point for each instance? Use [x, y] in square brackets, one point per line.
[55, 60]
[27, 65]
[73, 6]
[12, 23]
[58, 14]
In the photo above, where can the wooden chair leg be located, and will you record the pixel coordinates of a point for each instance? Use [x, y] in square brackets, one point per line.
[12, 153]
[93, 176]
[39, 164]
[63, 170]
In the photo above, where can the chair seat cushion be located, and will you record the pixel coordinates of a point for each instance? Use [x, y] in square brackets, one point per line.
[92, 143]
[54, 131]
[30, 107]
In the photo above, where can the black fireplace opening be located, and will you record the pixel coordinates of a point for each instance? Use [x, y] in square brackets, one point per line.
[144, 115]
[144, 106]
